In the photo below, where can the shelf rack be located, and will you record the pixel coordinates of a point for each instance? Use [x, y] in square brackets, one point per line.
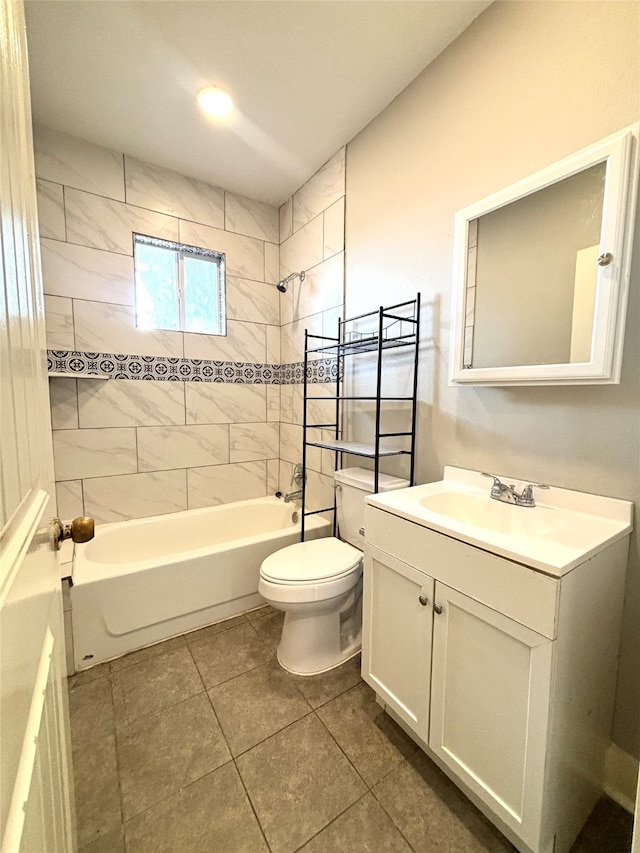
[395, 327]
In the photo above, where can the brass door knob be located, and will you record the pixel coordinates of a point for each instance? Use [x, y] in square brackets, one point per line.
[81, 529]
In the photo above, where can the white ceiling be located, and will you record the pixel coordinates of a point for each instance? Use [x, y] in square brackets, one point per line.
[306, 76]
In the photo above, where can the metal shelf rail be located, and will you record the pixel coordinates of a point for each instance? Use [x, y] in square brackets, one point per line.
[396, 326]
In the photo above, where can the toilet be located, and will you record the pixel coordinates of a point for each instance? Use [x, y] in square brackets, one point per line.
[318, 584]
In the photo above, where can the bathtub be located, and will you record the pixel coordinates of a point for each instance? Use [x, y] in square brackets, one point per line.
[139, 582]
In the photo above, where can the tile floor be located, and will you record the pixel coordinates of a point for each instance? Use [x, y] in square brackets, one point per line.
[204, 744]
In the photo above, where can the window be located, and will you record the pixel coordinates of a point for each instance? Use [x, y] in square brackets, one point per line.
[179, 287]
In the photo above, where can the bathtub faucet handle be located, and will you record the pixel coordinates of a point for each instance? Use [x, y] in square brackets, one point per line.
[297, 478]
[81, 529]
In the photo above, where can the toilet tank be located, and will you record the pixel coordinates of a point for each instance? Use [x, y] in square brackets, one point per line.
[352, 486]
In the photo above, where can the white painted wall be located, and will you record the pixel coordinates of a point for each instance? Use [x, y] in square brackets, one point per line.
[526, 85]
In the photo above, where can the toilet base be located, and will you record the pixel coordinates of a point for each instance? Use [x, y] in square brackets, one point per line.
[317, 642]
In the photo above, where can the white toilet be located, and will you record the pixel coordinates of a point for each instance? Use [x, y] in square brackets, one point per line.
[318, 583]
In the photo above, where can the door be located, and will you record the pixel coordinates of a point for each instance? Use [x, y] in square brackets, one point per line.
[35, 802]
[396, 636]
[490, 692]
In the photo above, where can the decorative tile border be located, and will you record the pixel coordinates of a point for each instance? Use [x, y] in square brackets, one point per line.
[162, 369]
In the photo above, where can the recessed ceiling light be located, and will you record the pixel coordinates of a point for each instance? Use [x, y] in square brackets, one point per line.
[215, 101]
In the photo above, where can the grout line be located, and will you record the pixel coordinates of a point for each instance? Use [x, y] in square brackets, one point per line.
[332, 821]
[351, 764]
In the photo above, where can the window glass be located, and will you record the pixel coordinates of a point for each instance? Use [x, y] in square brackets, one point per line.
[200, 293]
[156, 278]
[178, 287]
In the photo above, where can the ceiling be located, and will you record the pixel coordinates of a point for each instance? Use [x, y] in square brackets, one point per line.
[305, 75]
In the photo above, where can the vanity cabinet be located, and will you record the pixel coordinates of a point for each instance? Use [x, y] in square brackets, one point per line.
[504, 675]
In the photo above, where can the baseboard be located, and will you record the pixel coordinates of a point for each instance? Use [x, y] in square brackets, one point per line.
[621, 777]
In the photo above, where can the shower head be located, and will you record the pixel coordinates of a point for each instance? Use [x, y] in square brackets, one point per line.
[282, 285]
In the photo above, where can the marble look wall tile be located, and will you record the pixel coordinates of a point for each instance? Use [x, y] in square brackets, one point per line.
[59, 322]
[286, 306]
[286, 403]
[273, 402]
[320, 191]
[128, 403]
[244, 256]
[168, 192]
[330, 319]
[160, 448]
[273, 476]
[292, 337]
[273, 344]
[286, 220]
[64, 403]
[80, 453]
[323, 288]
[252, 301]
[253, 441]
[252, 218]
[106, 224]
[101, 327]
[51, 210]
[69, 499]
[319, 494]
[334, 228]
[291, 442]
[304, 249]
[83, 273]
[271, 263]
[220, 484]
[222, 403]
[218, 402]
[243, 342]
[135, 495]
[77, 163]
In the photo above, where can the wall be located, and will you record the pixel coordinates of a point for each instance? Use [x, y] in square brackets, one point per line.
[126, 448]
[312, 239]
[526, 85]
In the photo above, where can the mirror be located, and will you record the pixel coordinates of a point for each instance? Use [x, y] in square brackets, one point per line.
[541, 273]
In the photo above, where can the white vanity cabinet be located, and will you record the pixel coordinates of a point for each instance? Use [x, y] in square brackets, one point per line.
[503, 674]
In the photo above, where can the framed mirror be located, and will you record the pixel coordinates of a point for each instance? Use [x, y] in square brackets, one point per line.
[541, 273]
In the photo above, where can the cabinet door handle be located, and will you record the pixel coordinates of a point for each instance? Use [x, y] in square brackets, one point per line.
[423, 600]
[437, 608]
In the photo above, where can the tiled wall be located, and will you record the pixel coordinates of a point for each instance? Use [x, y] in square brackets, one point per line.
[126, 448]
[311, 239]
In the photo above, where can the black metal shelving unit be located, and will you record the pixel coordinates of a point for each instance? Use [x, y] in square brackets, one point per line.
[396, 326]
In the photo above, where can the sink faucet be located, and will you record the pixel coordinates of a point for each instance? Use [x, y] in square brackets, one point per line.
[508, 494]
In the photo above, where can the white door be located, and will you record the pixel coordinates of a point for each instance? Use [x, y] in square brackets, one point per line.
[396, 636]
[490, 693]
[35, 802]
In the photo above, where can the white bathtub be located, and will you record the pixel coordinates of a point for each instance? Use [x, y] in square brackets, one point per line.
[139, 582]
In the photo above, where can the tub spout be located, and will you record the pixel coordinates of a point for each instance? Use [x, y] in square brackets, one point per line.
[293, 496]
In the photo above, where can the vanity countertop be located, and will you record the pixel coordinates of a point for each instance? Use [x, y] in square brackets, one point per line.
[564, 529]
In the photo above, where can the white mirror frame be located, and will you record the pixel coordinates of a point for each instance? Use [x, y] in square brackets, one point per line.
[620, 151]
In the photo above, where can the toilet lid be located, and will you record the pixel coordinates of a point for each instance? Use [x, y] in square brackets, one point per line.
[306, 562]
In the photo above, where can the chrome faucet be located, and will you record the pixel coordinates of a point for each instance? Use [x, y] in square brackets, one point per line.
[508, 494]
[297, 479]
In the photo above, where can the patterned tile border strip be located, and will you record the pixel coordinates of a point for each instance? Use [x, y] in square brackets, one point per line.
[160, 368]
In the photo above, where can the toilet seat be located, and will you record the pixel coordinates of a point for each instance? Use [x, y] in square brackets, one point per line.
[311, 563]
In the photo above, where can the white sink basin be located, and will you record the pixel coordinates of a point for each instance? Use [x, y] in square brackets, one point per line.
[483, 511]
[563, 530]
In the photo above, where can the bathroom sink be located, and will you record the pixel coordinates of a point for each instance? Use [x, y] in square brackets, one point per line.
[482, 511]
[562, 530]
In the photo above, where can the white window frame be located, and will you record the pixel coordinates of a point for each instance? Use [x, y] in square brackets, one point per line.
[182, 250]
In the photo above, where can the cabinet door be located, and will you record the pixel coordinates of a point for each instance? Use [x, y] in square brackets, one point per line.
[396, 636]
[490, 705]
